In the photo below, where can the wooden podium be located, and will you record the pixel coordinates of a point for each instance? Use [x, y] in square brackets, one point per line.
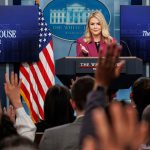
[68, 68]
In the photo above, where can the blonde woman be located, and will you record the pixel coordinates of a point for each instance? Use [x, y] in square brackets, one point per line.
[96, 37]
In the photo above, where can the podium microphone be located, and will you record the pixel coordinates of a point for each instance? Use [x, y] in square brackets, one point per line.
[71, 47]
[129, 51]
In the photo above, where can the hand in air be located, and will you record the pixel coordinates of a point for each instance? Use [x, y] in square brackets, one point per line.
[12, 89]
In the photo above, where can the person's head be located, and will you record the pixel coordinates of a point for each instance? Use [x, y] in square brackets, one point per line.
[141, 94]
[96, 25]
[1, 111]
[17, 143]
[146, 118]
[57, 108]
[7, 128]
[146, 114]
[81, 87]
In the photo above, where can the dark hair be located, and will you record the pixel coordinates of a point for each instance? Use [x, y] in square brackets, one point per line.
[146, 114]
[6, 127]
[80, 89]
[17, 142]
[141, 94]
[57, 108]
[146, 118]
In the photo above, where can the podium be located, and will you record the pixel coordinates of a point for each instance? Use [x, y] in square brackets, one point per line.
[68, 68]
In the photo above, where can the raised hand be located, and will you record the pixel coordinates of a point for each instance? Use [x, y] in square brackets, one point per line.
[72, 82]
[12, 89]
[11, 112]
[109, 67]
[125, 132]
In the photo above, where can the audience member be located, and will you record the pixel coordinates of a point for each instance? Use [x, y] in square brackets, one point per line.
[7, 128]
[24, 124]
[146, 118]
[146, 114]
[57, 108]
[17, 143]
[140, 94]
[10, 111]
[126, 133]
[67, 136]
[1, 111]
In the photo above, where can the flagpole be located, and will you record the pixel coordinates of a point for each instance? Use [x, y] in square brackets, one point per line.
[7, 70]
[6, 2]
[37, 2]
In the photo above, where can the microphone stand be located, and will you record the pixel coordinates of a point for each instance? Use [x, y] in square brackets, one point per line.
[127, 47]
[70, 48]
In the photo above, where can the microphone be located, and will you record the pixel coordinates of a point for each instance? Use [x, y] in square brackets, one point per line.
[129, 51]
[71, 47]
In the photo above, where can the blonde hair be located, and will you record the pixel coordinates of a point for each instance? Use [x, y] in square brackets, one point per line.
[105, 30]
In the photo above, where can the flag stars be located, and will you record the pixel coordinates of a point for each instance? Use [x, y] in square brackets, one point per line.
[44, 40]
[45, 34]
[41, 29]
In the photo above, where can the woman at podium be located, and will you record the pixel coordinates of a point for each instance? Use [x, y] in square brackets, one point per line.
[96, 37]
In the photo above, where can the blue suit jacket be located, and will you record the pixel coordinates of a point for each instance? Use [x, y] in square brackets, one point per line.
[95, 99]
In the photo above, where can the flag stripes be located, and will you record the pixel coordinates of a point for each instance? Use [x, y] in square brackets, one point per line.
[38, 77]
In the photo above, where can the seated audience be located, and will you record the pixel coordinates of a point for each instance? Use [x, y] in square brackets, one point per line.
[140, 94]
[17, 143]
[57, 108]
[67, 136]
[23, 123]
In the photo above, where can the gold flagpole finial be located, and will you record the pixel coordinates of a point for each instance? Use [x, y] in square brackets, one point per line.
[37, 2]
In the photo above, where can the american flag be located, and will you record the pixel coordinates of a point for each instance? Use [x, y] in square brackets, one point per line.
[37, 77]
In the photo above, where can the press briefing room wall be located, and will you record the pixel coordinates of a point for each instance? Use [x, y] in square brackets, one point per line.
[61, 47]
